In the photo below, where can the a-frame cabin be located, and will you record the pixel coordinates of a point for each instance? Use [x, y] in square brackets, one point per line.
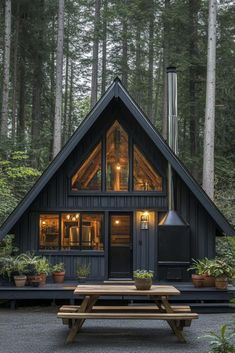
[103, 199]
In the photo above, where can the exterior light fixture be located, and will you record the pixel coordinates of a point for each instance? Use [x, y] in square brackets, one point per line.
[144, 221]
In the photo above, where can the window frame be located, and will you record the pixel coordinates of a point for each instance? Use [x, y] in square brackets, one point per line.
[60, 249]
[131, 144]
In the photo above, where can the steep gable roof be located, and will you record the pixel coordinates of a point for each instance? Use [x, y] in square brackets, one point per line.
[116, 90]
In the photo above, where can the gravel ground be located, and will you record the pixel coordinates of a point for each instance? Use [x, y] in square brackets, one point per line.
[37, 330]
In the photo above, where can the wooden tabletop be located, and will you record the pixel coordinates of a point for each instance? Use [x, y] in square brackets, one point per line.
[104, 289]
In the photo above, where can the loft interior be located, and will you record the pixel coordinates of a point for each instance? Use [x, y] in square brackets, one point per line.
[117, 197]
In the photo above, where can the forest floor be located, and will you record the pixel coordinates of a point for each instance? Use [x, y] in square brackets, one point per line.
[37, 330]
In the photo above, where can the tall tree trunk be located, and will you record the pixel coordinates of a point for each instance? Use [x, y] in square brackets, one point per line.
[15, 73]
[209, 129]
[158, 89]
[59, 77]
[70, 102]
[6, 69]
[104, 48]
[165, 65]
[150, 69]
[137, 66]
[95, 55]
[36, 123]
[124, 49]
[21, 112]
[65, 118]
[194, 6]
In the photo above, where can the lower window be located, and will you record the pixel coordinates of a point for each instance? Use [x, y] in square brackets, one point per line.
[81, 231]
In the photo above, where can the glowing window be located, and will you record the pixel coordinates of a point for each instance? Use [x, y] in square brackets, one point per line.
[117, 161]
[88, 176]
[146, 177]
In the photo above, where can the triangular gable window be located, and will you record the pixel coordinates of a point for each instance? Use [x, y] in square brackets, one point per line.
[88, 176]
[117, 174]
[145, 176]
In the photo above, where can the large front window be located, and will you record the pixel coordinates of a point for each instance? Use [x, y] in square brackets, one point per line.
[116, 164]
[78, 231]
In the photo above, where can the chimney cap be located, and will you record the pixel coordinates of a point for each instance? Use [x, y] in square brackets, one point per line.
[171, 69]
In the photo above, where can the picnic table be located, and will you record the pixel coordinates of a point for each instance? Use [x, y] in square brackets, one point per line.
[177, 317]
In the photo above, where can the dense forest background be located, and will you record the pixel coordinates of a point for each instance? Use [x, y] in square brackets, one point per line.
[135, 40]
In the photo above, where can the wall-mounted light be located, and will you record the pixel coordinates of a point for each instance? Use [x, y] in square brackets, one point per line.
[144, 221]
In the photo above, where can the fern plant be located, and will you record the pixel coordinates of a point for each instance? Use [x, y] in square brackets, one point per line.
[222, 342]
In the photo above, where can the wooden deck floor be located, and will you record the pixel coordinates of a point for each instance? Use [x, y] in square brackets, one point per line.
[213, 299]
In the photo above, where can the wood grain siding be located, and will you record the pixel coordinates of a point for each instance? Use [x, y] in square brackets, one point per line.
[202, 227]
[145, 243]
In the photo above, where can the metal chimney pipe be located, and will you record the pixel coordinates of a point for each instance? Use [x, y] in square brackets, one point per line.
[172, 109]
[172, 127]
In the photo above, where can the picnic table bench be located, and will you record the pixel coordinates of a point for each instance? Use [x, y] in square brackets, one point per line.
[176, 316]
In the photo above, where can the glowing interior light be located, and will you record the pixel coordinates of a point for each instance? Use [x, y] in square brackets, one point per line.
[73, 218]
[118, 167]
[68, 216]
[117, 221]
[43, 222]
[77, 215]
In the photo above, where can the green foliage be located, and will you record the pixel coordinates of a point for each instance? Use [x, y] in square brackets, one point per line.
[43, 266]
[83, 270]
[7, 246]
[225, 249]
[16, 178]
[201, 266]
[223, 342]
[220, 268]
[143, 274]
[58, 267]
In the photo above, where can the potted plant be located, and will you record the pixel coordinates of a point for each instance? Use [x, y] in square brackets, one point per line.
[19, 266]
[197, 277]
[6, 267]
[43, 269]
[58, 273]
[143, 279]
[33, 277]
[222, 273]
[83, 271]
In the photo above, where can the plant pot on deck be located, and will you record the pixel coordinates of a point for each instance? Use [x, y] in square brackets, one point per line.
[43, 278]
[58, 277]
[208, 281]
[20, 280]
[33, 278]
[221, 283]
[197, 280]
[143, 283]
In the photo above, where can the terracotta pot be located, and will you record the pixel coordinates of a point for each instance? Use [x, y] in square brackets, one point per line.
[197, 280]
[221, 282]
[43, 278]
[143, 283]
[208, 281]
[20, 280]
[30, 279]
[58, 277]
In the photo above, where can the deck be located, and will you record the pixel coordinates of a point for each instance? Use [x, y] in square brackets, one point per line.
[206, 299]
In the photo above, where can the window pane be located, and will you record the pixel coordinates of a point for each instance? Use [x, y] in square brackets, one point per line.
[88, 176]
[145, 177]
[92, 232]
[117, 163]
[49, 231]
[70, 230]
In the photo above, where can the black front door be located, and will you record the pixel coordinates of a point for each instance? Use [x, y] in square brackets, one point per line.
[120, 245]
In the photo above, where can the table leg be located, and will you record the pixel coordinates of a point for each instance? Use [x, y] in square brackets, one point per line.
[86, 306]
[164, 306]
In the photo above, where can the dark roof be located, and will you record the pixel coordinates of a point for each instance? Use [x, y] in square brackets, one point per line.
[116, 90]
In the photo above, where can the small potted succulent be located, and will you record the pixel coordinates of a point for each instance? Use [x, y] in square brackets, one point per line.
[143, 279]
[83, 271]
[222, 273]
[58, 272]
[43, 269]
